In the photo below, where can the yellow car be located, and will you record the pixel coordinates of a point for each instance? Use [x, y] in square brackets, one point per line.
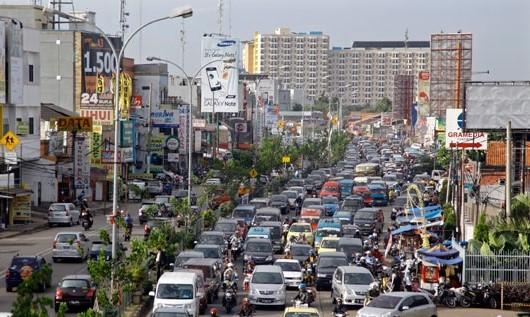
[328, 244]
[301, 312]
[298, 229]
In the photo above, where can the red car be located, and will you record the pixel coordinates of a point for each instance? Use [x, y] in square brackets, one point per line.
[360, 190]
[368, 200]
[330, 188]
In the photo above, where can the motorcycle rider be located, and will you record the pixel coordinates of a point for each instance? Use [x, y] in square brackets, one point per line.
[303, 294]
[246, 309]
[287, 254]
[85, 213]
[373, 292]
[214, 312]
[235, 241]
[357, 234]
[128, 227]
[396, 282]
[339, 308]
[230, 277]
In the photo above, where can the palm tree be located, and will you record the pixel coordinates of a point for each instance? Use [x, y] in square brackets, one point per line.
[521, 207]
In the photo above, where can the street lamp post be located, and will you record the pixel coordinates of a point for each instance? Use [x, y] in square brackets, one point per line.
[190, 117]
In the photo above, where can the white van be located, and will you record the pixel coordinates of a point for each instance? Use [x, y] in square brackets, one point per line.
[178, 289]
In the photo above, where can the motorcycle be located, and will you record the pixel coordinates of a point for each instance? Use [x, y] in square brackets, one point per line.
[86, 221]
[443, 295]
[235, 248]
[299, 304]
[308, 274]
[340, 314]
[229, 300]
[479, 296]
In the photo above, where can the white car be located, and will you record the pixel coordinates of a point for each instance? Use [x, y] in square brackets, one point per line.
[70, 245]
[399, 304]
[351, 283]
[213, 181]
[292, 271]
[267, 286]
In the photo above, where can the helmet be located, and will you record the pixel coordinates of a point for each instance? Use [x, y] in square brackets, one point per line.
[230, 265]
[362, 259]
[373, 285]
[339, 300]
[214, 311]
[245, 300]
[301, 286]
[368, 253]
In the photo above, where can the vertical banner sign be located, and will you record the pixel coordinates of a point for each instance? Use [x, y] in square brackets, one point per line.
[183, 129]
[95, 146]
[82, 165]
[2, 64]
[220, 79]
[15, 63]
[97, 67]
[424, 87]
[156, 147]
[127, 141]
[266, 102]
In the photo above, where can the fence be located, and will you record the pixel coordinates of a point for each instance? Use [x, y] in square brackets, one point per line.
[498, 267]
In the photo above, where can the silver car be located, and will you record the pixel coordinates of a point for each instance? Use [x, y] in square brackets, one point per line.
[351, 283]
[63, 213]
[402, 304]
[267, 286]
[70, 245]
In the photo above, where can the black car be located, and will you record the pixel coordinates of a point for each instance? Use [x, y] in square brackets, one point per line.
[281, 202]
[366, 220]
[100, 248]
[325, 267]
[214, 237]
[301, 252]
[76, 291]
[22, 267]
[259, 250]
[210, 251]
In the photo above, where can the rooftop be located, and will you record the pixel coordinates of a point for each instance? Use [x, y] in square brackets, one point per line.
[391, 44]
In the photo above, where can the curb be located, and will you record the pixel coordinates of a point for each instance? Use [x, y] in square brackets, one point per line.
[40, 227]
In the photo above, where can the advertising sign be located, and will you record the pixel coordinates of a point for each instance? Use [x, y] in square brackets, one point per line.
[424, 85]
[126, 133]
[457, 139]
[183, 129]
[172, 143]
[79, 124]
[172, 157]
[82, 165]
[220, 79]
[15, 63]
[2, 63]
[266, 92]
[108, 156]
[97, 67]
[386, 119]
[156, 143]
[22, 128]
[164, 118]
[99, 116]
[127, 155]
[95, 148]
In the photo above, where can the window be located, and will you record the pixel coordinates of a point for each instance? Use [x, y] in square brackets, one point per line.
[31, 125]
[420, 301]
[31, 69]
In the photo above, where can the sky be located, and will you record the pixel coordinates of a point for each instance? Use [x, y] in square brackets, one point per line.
[500, 27]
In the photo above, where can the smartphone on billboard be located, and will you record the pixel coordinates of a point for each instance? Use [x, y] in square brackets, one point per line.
[213, 78]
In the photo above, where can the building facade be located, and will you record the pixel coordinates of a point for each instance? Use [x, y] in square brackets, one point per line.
[297, 60]
[364, 73]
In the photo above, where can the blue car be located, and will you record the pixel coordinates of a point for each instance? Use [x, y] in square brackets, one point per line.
[379, 198]
[344, 217]
[327, 227]
[246, 212]
[331, 205]
[346, 186]
[22, 267]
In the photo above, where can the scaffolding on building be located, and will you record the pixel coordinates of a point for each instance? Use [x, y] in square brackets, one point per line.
[451, 62]
[403, 97]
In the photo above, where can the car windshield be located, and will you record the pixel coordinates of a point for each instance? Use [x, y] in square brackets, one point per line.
[385, 301]
[209, 252]
[204, 268]
[225, 227]
[258, 247]
[290, 194]
[169, 314]
[351, 249]
[98, 246]
[58, 207]
[352, 202]
[389, 178]
[20, 262]
[208, 239]
[330, 200]
[329, 244]
[328, 232]
[364, 216]
[259, 204]
[174, 291]
[331, 262]
[300, 228]
[66, 238]
[279, 198]
[276, 232]
[264, 217]
[267, 278]
[329, 188]
[301, 315]
[358, 279]
[300, 251]
[74, 284]
[289, 266]
[242, 213]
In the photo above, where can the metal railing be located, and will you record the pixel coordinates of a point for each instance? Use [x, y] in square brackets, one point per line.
[503, 266]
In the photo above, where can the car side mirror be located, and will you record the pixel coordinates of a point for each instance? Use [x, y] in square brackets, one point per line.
[404, 308]
[152, 294]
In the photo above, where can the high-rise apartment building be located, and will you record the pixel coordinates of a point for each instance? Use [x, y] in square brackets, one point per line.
[298, 60]
[364, 73]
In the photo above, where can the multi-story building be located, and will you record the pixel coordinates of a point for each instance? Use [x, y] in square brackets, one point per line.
[364, 73]
[298, 60]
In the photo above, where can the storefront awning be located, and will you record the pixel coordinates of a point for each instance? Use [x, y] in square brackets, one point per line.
[50, 111]
[433, 261]
[13, 192]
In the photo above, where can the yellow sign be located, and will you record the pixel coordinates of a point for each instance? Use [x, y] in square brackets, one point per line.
[78, 124]
[286, 159]
[253, 173]
[10, 140]
[334, 121]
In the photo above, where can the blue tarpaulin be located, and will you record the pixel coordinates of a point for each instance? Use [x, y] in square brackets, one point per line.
[437, 261]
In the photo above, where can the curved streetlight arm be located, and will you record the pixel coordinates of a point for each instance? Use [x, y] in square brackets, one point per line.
[190, 121]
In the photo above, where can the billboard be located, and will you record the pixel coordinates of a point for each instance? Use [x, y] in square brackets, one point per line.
[424, 84]
[15, 63]
[457, 139]
[490, 105]
[2, 63]
[82, 165]
[99, 116]
[220, 78]
[386, 119]
[165, 118]
[78, 124]
[97, 68]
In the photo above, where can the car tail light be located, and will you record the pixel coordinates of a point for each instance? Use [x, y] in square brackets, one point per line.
[8, 274]
[55, 244]
[58, 293]
[90, 292]
[78, 243]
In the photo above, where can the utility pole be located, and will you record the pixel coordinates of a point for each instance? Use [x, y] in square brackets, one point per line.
[149, 129]
[508, 181]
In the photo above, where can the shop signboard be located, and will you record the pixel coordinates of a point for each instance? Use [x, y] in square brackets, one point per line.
[164, 118]
[82, 165]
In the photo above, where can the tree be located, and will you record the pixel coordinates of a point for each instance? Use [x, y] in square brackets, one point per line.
[521, 207]
[383, 105]
[481, 230]
[26, 304]
[449, 221]
[297, 107]
[443, 157]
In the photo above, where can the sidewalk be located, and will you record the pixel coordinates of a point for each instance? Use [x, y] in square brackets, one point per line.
[40, 221]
